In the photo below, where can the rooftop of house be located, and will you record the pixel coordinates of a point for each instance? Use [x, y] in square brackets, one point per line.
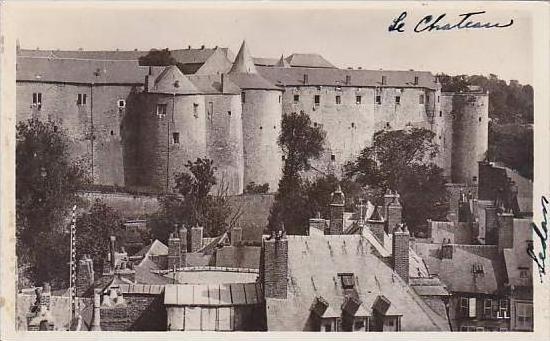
[80, 71]
[337, 77]
[309, 60]
[229, 294]
[315, 266]
[472, 268]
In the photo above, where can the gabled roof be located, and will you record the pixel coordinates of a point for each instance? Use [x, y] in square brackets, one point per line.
[457, 272]
[311, 60]
[80, 71]
[294, 76]
[172, 81]
[313, 266]
[156, 248]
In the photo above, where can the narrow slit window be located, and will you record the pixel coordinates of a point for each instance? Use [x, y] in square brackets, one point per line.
[338, 100]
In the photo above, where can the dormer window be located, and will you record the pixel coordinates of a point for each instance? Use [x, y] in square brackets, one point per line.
[347, 280]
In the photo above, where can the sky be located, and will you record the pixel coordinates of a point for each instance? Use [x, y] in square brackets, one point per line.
[346, 34]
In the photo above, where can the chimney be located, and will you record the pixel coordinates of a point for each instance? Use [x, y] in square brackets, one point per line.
[336, 225]
[202, 47]
[306, 78]
[505, 231]
[96, 317]
[491, 225]
[274, 267]
[196, 238]
[383, 80]
[400, 252]
[236, 235]
[446, 251]
[84, 275]
[393, 210]
[189, 47]
[174, 251]
[348, 79]
[112, 241]
[183, 241]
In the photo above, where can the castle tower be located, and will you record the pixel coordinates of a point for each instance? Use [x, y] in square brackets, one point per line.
[172, 127]
[470, 111]
[261, 117]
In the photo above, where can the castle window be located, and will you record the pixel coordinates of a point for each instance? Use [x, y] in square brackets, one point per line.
[296, 98]
[81, 99]
[112, 133]
[243, 97]
[161, 110]
[176, 138]
[480, 119]
[317, 99]
[315, 124]
[353, 124]
[440, 113]
[397, 99]
[196, 110]
[332, 157]
[357, 99]
[210, 110]
[421, 99]
[338, 100]
[229, 113]
[437, 99]
[121, 104]
[37, 98]
[279, 99]
[378, 99]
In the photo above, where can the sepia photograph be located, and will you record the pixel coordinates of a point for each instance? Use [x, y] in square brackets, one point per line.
[275, 167]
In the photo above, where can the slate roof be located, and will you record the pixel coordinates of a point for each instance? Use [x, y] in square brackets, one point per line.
[311, 60]
[314, 263]
[251, 81]
[213, 294]
[457, 273]
[185, 56]
[156, 248]
[80, 71]
[294, 76]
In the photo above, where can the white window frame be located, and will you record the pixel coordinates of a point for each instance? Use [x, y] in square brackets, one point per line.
[121, 103]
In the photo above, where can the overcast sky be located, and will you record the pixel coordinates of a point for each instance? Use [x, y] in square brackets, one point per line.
[344, 35]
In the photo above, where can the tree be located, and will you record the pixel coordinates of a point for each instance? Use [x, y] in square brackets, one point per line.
[300, 143]
[192, 203]
[402, 160]
[93, 231]
[160, 58]
[47, 182]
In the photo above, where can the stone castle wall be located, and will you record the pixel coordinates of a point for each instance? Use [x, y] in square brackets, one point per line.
[224, 139]
[261, 113]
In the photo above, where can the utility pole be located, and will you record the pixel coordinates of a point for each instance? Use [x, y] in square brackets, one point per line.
[72, 265]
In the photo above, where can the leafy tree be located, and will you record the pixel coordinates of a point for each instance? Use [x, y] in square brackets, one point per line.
[47, 182]
[93, 231]
[160, 58]
[300, 143]
[192, 203]
[319, 193]
[402, 160]
[253, 188]
[512, 145]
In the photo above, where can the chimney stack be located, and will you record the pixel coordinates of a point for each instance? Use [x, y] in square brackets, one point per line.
[348, 79]
[306, 78]
[174, 251]
[112, 241]
[183, 241]
[196, 238]
[400, 252]
[505, 231]
[336, 225]
[96, 317]
[274, 267]
[236, 235]
[392, 210]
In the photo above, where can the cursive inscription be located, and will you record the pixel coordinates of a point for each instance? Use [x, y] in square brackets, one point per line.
[542, 233]
[470, 20]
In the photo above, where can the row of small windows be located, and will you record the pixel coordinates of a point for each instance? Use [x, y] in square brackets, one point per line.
[81, 99]
[358, 99]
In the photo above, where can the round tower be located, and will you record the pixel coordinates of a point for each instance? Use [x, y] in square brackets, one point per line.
[261, 113]
[470, 112]
[172, 128]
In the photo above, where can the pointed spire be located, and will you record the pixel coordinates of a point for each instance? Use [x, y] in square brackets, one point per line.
[243, 62]
[282, 62]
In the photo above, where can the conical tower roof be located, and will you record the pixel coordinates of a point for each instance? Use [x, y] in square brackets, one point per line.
[243, 62]
[282, 62]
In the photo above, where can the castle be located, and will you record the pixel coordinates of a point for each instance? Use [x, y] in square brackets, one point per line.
[136, 126]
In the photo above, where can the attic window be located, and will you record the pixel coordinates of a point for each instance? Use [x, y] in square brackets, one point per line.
[348, 280]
